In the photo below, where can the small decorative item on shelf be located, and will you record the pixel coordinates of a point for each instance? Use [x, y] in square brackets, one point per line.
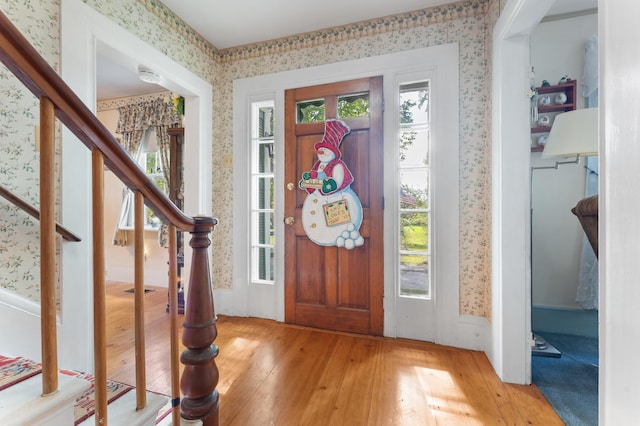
[544, 120]
[533, 96]
[561, 98]
[542, 140]
[545, 100]
[564, 80]
[552, 100]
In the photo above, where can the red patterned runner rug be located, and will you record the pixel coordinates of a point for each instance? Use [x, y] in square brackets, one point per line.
[15, 370]
[85, 404]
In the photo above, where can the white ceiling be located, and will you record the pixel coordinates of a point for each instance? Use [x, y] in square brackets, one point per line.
[229, 25]
[239, 22]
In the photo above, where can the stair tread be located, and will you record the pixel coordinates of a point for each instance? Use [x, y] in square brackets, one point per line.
[123, 412]
[24, 401]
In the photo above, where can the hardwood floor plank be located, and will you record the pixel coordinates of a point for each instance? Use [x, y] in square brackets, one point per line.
[399, 394]
[471, 383]
[253, 378]
[294, 379]
[349, 376]
[277, 374]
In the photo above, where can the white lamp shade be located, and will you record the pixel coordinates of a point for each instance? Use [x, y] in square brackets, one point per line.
[573, 133]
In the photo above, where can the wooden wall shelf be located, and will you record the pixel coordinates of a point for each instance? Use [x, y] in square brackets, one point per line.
[552, 109]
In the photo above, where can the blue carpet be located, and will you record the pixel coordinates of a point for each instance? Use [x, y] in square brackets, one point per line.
[570, 383]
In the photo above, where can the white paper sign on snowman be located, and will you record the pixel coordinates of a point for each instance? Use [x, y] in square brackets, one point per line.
[331, 212]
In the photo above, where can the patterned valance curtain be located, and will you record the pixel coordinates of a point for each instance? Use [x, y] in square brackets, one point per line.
[135, 119]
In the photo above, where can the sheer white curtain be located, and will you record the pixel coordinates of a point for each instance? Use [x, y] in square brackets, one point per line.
[132, 142]
[587, 293]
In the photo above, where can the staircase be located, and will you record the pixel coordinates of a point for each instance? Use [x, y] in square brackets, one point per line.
[48, 398]
[23, 405]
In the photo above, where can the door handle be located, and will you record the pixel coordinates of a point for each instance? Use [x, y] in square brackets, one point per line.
[290, 186]
[289, 220]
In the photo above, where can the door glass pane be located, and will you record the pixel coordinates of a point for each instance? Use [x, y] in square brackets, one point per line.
[266, 230]
[414, 103]
[414, 232]
[265, 259]
[414, 148]
[265, 122]
[353, 106]
[265, 157]
[414, 189]
[414, 275]
[311, 111]
[265, 193]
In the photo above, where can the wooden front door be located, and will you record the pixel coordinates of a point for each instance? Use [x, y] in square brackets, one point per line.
[328, 286]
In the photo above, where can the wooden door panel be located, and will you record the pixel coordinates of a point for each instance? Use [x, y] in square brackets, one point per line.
[354, 294]
[328, 286]
[342, 319]
[311, 279]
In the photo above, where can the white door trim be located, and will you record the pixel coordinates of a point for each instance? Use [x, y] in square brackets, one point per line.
[454, 329]
[82, 29]
[510, 351]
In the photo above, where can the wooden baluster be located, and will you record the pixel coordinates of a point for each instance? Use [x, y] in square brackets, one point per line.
[200, 376]
[141, 382]
[174, 326]
[99, 289]
[48, 248]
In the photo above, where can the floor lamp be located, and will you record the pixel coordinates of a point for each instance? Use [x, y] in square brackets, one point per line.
[573, 134]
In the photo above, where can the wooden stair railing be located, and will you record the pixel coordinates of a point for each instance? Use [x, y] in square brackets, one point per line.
[33, 212]
[57, 100]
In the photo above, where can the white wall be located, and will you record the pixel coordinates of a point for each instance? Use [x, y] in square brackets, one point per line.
[619, 384]
[119, 260]
[557, 49]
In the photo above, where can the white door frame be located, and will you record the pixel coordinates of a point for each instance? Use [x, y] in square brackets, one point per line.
[510, 353]
[82, 28]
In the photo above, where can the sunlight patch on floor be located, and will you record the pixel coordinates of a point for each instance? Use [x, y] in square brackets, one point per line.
[444, 397]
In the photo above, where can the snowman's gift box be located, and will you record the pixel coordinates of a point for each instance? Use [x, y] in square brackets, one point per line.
[311, 183]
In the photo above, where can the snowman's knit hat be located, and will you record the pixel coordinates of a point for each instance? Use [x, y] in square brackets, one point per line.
[334, 132]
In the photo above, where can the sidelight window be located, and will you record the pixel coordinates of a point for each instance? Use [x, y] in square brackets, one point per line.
[414, 190]
[262, 193]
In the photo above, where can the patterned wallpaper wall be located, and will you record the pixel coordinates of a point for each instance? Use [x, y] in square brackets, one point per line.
[468, 22]
[19, 160]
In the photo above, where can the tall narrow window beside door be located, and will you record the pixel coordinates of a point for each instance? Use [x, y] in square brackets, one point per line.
[414, 250]
[262, 193]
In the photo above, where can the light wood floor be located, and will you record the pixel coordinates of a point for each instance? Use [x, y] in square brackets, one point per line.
[277, 374]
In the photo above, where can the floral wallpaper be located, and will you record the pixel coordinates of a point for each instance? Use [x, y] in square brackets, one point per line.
[468, 22]
[19, 160]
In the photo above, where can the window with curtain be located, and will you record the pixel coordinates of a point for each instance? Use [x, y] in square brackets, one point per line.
[144, 129]
[149, 160]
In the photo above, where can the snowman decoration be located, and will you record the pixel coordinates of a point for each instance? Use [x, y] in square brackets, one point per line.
[331, 212]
